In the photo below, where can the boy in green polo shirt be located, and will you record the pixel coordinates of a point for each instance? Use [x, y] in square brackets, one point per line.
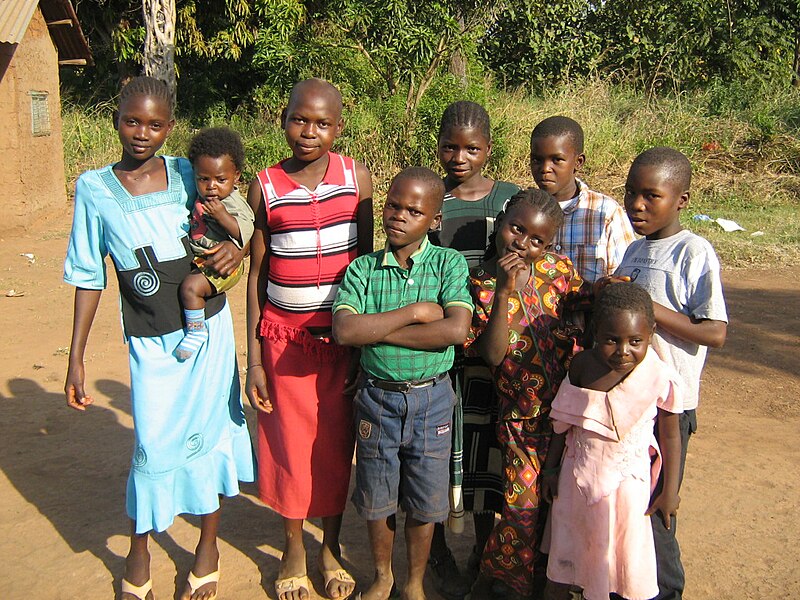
[405, 306]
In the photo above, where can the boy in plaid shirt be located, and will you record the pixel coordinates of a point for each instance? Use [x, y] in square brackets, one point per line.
[596, 232]
[406, 307]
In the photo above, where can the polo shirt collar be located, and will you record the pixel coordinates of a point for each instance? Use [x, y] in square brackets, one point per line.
[417, 256]
[573, 205]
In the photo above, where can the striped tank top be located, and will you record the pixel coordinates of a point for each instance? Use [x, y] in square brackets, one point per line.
[312, 239]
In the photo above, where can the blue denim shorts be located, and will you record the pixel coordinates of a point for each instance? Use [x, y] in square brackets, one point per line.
[403, 451]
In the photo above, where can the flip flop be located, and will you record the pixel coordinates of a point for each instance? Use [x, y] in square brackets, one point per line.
[292, 584]
[339, 575]
[195, 583]
[140, 591]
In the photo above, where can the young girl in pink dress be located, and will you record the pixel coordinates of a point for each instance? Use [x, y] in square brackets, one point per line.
[604, 412]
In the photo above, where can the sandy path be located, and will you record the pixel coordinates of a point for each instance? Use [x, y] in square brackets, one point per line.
[62, 474]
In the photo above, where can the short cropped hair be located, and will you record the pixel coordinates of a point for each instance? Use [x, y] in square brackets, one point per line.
[466, 114]
[621, 297]
[671, 162]
[216, 142]
[145, 85]
[537, 199]
[316, 84]
[559, 126]
[426, 177]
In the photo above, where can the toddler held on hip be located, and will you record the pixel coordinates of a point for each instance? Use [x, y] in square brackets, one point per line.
[219, 213]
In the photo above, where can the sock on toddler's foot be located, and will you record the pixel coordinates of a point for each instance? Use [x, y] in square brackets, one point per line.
[196, 334]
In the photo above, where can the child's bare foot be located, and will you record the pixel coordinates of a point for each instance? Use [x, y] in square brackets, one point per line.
[137, 572]
[339, 584]
[206, 562]
[292, 583]
[381, 587]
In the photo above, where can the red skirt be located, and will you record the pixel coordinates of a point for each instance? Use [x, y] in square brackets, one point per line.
[305, 445]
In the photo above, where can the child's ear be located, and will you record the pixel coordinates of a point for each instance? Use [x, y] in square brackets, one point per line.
[283, 117]
[579, 160]
[437, 220]
[339, 127]
[488, 150]
[683, 201]
[170, 126]
[115, 119]
[237, 177]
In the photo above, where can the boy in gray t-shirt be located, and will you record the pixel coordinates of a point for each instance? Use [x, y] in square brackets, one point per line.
[681, 272]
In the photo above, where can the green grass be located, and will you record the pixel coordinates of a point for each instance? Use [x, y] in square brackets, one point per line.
[749, 170]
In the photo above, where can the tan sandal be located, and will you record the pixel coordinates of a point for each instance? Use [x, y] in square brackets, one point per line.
[288, 585]
[340, 575]
[140, 591]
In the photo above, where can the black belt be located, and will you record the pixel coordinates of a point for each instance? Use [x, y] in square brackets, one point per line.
[405, 386]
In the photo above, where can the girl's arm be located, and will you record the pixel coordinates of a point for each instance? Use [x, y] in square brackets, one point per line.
[365, 220]
[86, 302]
[492, 344]
[669, 440]
[705, 332]
[256, 382]
[548, 476]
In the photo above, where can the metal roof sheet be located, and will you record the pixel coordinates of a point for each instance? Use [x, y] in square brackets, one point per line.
[62, 23]
[14, 18]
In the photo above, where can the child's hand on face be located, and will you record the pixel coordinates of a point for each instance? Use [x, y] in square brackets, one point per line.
[426, 312]
[215, 209]
[509, 268]
[667, 505]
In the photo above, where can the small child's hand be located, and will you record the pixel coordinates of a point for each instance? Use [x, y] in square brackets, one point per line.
[667, 505]
[425, 312]
[607, 280]
[509, 267]
[215, 209]
[548, 485]
[256, 389]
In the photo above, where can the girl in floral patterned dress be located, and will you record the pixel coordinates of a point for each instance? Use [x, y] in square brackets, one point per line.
[519, 329]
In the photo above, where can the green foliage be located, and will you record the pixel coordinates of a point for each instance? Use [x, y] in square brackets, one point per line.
[743, 142]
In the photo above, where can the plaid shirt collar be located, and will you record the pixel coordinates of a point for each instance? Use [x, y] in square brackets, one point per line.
[583, 190]
[417, 256]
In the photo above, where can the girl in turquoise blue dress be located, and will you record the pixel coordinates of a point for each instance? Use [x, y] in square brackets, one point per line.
[191, 439]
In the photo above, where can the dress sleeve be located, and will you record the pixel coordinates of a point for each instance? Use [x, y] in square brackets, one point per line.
[85, 265]
[353, 289]
[455, 283]
[671, 398]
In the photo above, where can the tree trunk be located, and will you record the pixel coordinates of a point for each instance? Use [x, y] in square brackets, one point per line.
[796, 62]
[159, 41]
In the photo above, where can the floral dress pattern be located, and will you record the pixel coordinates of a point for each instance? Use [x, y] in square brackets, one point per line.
[540, 345]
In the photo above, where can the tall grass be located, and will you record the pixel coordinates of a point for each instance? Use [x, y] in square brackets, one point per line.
[744, 145]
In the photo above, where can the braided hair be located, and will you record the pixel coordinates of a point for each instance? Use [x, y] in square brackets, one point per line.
[466, 114]
[537, 199]
[144, 85]
[623, 297]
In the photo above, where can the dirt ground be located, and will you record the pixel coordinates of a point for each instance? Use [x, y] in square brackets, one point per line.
[62, 474]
